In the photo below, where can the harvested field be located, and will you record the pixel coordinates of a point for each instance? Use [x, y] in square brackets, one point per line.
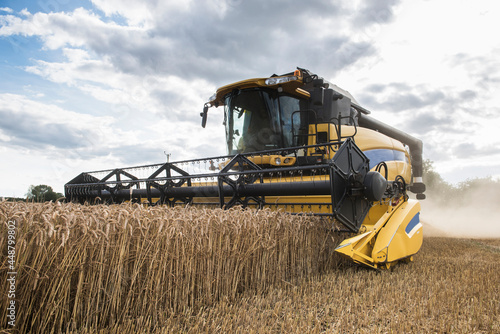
[128, 268]
[453, 287]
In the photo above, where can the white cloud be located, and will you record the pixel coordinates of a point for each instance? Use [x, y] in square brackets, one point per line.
[33, 124]
[76, 29]
[136, 12]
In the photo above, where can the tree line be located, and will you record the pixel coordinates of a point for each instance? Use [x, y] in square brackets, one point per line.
[443, 191]
[39, 193]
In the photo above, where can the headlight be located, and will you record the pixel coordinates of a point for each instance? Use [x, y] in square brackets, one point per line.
[279, 80]
[212, 98]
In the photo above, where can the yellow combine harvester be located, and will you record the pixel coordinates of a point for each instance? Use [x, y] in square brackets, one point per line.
[301, 144]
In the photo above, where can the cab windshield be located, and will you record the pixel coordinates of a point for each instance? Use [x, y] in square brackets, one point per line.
[259, 120]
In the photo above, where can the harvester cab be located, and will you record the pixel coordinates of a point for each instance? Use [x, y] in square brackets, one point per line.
[298, 143]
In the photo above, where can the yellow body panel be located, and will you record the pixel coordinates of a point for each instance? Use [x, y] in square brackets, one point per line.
[388, 237]
[359, 248]
[401, 236]
[366, 140]
[292, 204]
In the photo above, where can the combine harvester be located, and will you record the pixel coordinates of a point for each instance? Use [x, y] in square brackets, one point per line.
[301, 144]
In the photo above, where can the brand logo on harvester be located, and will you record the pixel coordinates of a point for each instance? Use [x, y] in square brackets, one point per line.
[413, 226]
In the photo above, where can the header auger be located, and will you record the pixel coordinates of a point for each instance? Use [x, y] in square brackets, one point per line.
[298, 143]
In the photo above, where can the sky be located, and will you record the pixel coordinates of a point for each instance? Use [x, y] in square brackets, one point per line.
[98, 84]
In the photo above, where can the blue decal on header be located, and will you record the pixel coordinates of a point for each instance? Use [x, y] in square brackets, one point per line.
[413, 222]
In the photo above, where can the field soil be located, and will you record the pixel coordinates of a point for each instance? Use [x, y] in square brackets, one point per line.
[453, 286]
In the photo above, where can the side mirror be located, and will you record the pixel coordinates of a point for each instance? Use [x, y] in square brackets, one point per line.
[204, 115]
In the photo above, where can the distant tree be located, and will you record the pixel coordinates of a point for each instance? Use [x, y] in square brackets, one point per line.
[433, 181]
[42, 193]
[443, 191]
[476, 183]
[13, 199]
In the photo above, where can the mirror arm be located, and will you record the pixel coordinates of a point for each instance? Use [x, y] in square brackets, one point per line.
[204, 115]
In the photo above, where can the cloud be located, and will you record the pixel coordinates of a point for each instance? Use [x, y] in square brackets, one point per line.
[35, 125]
[399, 97]
[218, 41]
[472, 150]
[449, 120]
[375, 11]
[426, 108]
[483, 69]
[483, 74]
[62, 134]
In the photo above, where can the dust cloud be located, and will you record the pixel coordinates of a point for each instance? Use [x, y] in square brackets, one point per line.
[471, 214]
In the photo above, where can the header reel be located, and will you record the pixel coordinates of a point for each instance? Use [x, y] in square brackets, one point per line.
[240, 181]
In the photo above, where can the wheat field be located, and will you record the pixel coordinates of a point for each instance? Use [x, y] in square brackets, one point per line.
[135, 269]
[92, 266]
